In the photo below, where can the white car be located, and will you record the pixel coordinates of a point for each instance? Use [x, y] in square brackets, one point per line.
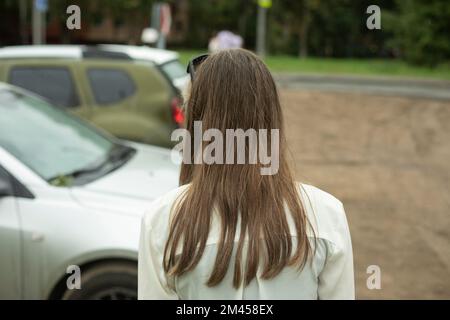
[71, 197]
[166, 61]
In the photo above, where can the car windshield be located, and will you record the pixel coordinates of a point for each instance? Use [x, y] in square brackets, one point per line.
[174, 69]
[48, 140]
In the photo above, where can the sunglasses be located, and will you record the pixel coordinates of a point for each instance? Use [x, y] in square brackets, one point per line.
[194, 64]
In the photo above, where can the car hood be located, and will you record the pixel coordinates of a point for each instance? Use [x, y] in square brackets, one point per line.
[130, 189]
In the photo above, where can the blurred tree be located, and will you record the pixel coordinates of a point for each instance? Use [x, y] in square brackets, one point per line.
[12, 25]
[326, 28]
[208, 17]
[415, 30]
[296, 18]
[421, 30]
[339, 30]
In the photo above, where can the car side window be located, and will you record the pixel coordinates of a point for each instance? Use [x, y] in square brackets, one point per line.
[53, 83]
[110, 85]
[10, 186]
[5, 183]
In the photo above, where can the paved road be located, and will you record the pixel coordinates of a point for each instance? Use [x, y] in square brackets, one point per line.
[427, 89]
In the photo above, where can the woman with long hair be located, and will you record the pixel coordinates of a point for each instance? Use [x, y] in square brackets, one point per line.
[232, 230]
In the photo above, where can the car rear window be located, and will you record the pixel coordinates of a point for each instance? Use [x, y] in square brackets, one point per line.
[174, 69]
[110, 85]
[53, 83]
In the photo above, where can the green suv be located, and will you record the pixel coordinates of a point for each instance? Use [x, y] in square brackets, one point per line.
[131, 99]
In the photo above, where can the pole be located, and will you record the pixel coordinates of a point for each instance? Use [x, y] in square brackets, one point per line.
[156, 24]
[261, 32]
[161, 44]
[39, 25]
[43, 27]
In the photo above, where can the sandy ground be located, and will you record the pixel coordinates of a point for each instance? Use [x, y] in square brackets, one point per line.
[387, 159]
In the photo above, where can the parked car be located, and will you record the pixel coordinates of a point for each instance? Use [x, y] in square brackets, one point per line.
[71, 195]
[167, 62]
[131, 99]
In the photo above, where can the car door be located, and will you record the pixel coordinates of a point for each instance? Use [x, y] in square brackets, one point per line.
[10, 243]
[130, 101]
[113, 93]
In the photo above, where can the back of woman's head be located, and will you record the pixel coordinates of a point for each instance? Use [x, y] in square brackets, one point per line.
[234, 89]
[238, 171]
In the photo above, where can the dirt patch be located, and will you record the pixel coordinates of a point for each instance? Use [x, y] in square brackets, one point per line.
[388, 160]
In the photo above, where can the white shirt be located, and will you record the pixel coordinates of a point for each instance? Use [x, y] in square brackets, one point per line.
[328, 274]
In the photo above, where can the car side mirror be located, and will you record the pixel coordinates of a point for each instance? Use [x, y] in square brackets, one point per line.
[5, 187]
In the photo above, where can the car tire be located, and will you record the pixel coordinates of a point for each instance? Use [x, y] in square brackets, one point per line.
[106, 281]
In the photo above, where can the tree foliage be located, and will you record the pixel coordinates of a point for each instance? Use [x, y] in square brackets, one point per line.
[415, 30]
[420, 30]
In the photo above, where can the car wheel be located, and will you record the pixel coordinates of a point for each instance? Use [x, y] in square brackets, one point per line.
[108, 281]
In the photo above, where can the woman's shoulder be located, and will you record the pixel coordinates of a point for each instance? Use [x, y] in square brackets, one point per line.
[320, 197]
[156, 216]
[325, 212]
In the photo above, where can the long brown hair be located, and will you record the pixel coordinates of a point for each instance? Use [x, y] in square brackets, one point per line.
[234, 89]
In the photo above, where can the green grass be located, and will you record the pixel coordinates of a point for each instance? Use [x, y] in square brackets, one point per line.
[370, 67]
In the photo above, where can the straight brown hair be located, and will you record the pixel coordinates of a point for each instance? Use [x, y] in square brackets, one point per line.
[234, 89]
